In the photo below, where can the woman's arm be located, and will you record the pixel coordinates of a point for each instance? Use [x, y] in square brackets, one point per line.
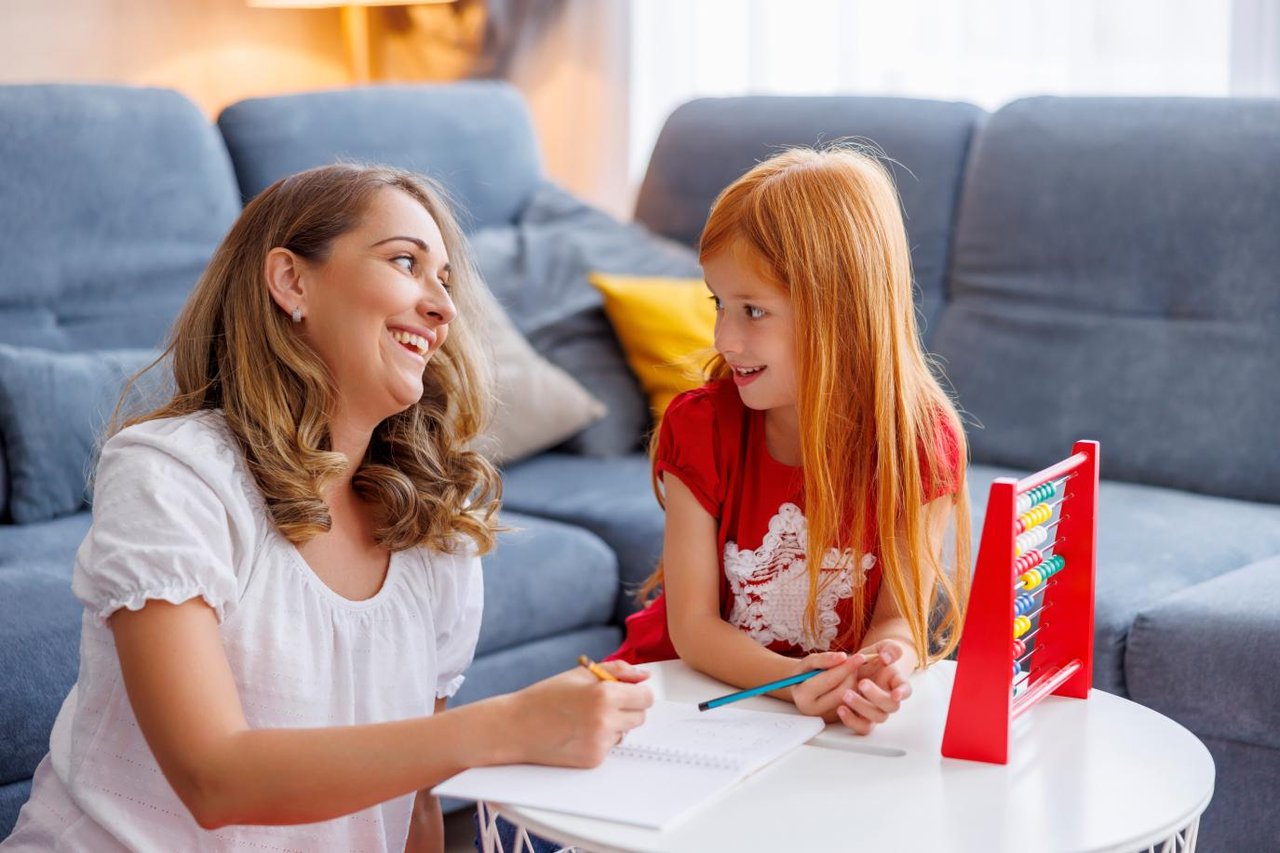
[185, 699]
[691, 581]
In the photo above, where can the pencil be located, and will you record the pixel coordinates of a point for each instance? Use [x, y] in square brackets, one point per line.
[765, 688]
[596, 669]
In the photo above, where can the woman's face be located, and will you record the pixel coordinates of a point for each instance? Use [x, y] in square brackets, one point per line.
[379, 308]
[754, 328]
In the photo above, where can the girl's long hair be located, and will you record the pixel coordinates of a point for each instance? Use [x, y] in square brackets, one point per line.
[826, 226]
[234, 349]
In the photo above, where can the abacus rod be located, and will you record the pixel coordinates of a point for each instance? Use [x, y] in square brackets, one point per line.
[1030, 635]
[1031, 651]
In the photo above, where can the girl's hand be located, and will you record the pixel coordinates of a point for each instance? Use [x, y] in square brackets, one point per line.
[880, 687]
[573, 719]
[822, 694]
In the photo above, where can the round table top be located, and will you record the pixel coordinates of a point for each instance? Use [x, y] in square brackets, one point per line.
[1097, 774]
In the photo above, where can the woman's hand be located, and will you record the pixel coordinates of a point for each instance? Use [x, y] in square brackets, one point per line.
[573, 719]
[879, 687]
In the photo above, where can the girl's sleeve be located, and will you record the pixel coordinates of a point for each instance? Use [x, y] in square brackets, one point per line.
[161, 531]
[458, 603]
[947, 444]
[687, 445]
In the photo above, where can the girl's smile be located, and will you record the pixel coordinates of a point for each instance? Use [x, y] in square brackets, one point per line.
[743, 376]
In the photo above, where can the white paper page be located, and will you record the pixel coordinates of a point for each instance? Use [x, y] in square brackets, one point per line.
[679, 758]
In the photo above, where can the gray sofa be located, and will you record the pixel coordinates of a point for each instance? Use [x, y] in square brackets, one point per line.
[1086, 269]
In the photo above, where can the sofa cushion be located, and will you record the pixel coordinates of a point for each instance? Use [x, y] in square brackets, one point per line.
[55, 409]
[47, 546]
[115, 199]
[1206, 656]
[512, 668]
[1152, 543]
[708, 143]
[610, 497]
[40, 657]
[526, 578]
[538, 405]
[666, 327]
[1115, 279]
[538, 270]
[474, 137]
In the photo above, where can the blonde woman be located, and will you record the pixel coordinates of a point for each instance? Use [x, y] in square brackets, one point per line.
[282, 583]
[808, 485]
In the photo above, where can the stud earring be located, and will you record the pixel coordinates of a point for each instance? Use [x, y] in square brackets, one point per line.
[297, 314]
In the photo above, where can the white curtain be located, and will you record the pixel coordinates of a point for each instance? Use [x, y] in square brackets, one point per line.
[987, 52]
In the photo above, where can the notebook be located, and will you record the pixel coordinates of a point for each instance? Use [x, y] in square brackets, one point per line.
[680, 757]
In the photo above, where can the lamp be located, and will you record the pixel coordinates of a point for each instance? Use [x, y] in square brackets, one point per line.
[355, 25]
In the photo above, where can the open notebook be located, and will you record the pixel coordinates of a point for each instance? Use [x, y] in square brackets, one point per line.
[679, 758]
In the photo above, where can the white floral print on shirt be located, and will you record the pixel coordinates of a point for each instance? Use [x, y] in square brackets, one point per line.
[770, 585]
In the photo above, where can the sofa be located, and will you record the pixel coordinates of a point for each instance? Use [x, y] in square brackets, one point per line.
[1085, 268]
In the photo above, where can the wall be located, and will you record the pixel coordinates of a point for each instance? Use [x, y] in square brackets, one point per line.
[214, 51]
[572, 68]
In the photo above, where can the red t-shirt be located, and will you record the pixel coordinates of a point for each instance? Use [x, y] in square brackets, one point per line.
[715, 445]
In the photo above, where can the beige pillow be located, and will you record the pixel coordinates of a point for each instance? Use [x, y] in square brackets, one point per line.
[538, 404]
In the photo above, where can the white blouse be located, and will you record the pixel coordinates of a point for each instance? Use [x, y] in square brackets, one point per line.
[177, 515]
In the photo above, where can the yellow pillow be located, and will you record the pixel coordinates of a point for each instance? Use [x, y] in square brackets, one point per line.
[666, 327]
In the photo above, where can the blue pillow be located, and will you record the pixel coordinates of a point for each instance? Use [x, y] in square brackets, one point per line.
[55, 408]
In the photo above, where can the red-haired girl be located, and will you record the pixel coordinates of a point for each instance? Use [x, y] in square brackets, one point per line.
[809, 483]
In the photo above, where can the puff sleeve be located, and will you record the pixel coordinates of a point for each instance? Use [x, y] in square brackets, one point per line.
[688, 447]
[165, 516]
[947, 448]
[457, 603]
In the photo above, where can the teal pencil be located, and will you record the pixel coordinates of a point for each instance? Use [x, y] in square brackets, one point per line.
[765, 688]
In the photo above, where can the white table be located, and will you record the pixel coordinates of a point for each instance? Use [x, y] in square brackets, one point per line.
[1097, 774]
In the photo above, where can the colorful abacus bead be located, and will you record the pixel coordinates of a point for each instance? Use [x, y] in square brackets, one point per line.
[1019, 648]
[1030, 539]
[1024, 604]
[1021, 625]
[1039, 494]
[1027, 561]
[1030, 580]
[1033, 517]
[1052, 566]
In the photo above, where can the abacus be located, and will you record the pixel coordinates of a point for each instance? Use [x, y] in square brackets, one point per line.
[1028, 632]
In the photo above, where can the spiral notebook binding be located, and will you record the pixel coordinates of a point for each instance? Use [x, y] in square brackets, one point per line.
[675, 756]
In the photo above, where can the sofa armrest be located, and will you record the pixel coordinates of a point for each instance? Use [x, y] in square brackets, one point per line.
[1206, 656]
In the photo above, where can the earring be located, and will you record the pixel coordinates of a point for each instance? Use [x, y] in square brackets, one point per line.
[297, 314]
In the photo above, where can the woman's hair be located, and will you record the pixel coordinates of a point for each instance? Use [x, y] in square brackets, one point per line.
[234, 349]
[877, 431]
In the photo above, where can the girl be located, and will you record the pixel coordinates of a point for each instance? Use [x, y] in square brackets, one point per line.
[808, 484]
[282, 582]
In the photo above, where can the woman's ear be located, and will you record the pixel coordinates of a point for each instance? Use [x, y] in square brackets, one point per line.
[283, 270]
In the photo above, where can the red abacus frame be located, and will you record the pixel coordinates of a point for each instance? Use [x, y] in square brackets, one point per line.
[983, 707]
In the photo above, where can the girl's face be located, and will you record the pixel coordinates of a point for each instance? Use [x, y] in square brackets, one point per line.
[754, 329]
[379, 307]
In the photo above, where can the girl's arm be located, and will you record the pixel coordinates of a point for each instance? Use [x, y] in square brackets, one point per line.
[883, 685]
[691, 581]
[184, 697]
[426, 825]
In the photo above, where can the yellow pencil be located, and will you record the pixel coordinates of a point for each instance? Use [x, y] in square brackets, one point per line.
[596, 669]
